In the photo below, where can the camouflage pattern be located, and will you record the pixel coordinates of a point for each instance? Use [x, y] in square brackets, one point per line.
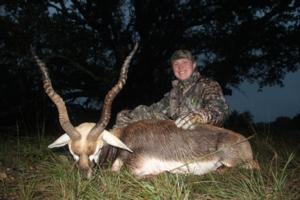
[182, 53]
[196, 100]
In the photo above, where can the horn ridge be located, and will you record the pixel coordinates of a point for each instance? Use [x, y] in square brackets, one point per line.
[56, 99]
[106, 108]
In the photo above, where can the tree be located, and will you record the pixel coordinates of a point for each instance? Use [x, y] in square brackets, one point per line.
[85, 42]
[296, 121]
[282, 122]
[240, 121]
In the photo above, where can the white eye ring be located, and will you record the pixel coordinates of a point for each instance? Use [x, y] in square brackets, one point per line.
[91, 157]
[76, 157]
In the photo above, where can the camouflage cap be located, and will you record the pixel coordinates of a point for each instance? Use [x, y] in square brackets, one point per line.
[182, 53]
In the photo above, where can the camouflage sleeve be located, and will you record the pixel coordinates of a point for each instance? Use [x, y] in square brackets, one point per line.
[158, 110]
[213, 108]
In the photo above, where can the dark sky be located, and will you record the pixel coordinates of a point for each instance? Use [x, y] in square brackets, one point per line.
[272, 102]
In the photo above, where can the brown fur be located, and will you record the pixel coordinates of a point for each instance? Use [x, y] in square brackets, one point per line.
[161, 139]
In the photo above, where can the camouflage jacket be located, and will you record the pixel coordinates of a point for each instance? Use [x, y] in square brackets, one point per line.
[198, 95]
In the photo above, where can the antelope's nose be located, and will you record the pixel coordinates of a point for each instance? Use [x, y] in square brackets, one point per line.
[85, 167]
[86, 173]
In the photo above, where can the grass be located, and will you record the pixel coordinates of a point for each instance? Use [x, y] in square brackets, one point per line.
[28, 170]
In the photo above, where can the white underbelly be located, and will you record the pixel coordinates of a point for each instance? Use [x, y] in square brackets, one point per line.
[153, 166]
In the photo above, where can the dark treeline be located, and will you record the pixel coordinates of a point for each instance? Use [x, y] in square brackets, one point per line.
[244, 122]
[85, 42]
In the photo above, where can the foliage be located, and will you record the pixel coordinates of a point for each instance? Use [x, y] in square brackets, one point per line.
[85, 42]
[239, 120]
[282, 123]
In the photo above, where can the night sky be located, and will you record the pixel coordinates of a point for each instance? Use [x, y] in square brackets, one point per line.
[272, 102]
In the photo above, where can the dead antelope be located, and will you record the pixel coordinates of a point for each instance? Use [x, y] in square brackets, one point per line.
[147, 147]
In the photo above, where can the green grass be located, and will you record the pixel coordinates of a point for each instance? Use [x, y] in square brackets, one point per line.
[30, 171]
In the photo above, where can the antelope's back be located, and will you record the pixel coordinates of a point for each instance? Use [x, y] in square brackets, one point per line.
[161, 138]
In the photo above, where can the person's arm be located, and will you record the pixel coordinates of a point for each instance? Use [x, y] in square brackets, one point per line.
[158, 110]
[214, 109]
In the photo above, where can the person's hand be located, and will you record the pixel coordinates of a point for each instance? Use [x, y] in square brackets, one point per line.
[190, 120]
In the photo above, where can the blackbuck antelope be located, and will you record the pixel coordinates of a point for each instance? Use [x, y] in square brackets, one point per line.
[147, 147]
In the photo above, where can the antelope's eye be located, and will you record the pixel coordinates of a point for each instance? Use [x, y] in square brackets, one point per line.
[91, 157]
[76, 157]
[96, 154]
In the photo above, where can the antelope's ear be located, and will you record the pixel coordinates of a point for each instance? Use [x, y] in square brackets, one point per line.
[113, 140]
[61, 141]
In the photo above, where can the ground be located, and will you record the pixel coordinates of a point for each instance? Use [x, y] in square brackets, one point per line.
[28, 170]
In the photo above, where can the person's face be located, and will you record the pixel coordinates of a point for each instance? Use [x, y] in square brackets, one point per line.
[183, 68]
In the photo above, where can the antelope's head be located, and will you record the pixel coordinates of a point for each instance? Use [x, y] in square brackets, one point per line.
[86, 140]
